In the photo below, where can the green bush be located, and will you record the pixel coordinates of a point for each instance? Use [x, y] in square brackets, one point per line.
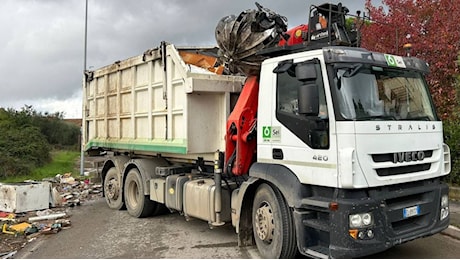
[452, 138]
[22, 147]
[26, 138]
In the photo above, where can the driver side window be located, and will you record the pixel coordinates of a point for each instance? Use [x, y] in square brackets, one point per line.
[313, 130]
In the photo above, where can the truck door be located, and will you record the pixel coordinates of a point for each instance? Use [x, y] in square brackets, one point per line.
[300, 132]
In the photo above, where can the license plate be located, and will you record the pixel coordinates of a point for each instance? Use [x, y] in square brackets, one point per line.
[411, 211]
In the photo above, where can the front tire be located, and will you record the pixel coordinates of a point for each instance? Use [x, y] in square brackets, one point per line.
[137, 204]
[112, 189]
[273, 224]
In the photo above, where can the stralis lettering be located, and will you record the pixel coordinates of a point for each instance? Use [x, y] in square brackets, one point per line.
[408, 156]
[405, 127]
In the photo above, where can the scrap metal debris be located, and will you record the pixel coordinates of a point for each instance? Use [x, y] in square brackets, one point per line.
[66, 192]
[240, 38]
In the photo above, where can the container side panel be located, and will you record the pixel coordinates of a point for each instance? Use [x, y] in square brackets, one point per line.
[113, 128]
[178, 95]
[100, 106]
[126, 79]
[113, 83]
[158, 101]
[126, 129]
[91, 108]
[142, 129]
[142, 75]
[126, 103]
[100, 129]
[142, 101]
[90, 89]
[157, 72]
[112, 105]
[178, 127]
[206, 128]
[100, 86]
[159, 127]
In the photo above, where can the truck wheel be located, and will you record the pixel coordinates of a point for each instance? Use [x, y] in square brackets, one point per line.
[137, 204]
[112, 189]
[273, 224]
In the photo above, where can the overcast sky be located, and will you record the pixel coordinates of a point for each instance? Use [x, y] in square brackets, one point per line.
[42, 41]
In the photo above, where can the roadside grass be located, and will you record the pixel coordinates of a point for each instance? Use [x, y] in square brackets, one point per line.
[62, 161]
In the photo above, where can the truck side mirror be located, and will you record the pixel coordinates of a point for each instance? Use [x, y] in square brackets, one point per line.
[307, 93]
[305, 72]
[308, 99]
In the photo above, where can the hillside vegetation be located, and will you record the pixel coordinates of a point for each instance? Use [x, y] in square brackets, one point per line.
[27, 138]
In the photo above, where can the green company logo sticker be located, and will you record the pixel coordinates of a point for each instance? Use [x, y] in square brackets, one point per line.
[395, 61]
[266, 132]
[271, 133]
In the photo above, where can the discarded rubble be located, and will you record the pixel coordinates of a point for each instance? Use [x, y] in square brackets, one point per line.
[8, 255]
[24, 196]
[20, 228]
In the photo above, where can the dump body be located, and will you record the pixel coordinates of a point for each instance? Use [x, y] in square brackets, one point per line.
[157, 103]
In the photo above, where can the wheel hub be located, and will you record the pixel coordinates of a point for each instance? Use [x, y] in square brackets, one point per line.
[112, 190]
[264, 223]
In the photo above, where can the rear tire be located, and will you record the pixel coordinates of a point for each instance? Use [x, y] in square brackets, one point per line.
[273, 224]
[137, 204]
[112, 189]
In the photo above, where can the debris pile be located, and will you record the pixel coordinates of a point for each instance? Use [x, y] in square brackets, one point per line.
[66, 192]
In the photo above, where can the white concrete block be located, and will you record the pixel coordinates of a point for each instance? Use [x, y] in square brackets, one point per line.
[24, 196]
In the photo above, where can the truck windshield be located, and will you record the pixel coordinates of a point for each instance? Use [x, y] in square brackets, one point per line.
[376, 93]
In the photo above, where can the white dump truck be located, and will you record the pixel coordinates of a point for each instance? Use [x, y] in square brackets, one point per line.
[308, 145]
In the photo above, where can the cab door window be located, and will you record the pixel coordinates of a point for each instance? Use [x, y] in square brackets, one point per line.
[312, 126]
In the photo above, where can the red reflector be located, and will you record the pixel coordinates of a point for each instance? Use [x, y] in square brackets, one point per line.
[333, 206]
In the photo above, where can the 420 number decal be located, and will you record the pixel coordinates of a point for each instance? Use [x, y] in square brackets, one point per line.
[320, 157]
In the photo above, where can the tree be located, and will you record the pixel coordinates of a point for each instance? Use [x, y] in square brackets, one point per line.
[27, 137]
[22, 146]
[431, 26]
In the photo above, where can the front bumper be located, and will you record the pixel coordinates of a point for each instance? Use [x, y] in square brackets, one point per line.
[390, 227]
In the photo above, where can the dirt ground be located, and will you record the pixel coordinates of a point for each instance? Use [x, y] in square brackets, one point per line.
[9, 243]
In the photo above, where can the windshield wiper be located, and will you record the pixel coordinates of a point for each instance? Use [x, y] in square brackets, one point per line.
[350, 72]
[381, 117]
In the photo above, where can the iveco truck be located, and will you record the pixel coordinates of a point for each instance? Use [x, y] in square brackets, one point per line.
[300, 139]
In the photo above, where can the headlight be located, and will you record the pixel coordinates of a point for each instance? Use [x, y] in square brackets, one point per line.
[356, 220]
[361, 220]
[367, 219]
[444, 201]
[444, 207]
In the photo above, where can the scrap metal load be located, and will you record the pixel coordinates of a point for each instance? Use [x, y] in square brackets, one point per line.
[249, 38]
[240, 38]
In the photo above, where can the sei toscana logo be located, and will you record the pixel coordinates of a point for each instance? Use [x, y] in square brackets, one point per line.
[271, 133]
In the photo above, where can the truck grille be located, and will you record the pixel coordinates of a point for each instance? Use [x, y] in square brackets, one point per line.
[389, 171]
[403, 169]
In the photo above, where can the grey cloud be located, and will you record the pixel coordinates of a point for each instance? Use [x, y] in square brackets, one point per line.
[41, 47]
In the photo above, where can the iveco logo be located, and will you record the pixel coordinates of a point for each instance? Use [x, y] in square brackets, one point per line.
[408, 156]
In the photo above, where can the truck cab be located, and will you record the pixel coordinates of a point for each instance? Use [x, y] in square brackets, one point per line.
[353, 142]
